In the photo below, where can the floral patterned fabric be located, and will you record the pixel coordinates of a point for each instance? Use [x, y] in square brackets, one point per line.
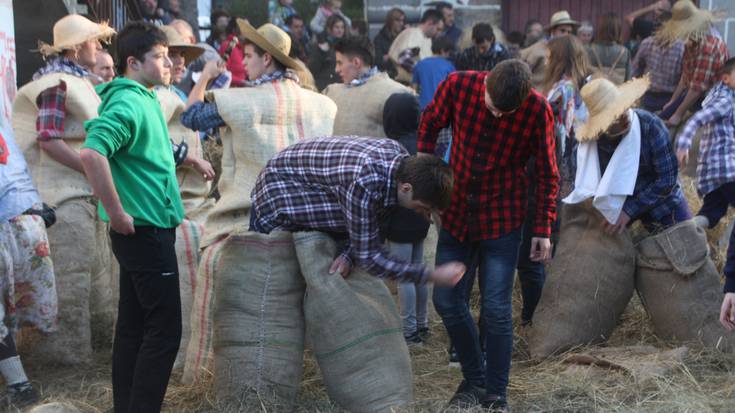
[27, 284]
[569, 112]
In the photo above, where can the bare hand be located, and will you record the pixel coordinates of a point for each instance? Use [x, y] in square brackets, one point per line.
[727, 312]
[674, 120]
[683, 156]
[342, 266]
[448, 275]
[540, 249]
[204, 168]
[122, 224]
[619, 226]
[324, 46]
[212, 69]
[662, 5]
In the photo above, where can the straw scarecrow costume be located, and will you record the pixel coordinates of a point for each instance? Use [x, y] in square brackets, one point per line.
[257, 121]
[51, 110]
[535, 55]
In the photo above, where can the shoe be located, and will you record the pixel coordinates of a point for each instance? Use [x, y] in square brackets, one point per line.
[467, 396]
[22, 395]
[453, 357]
[495, 404]
[424, 332]
[414, 340]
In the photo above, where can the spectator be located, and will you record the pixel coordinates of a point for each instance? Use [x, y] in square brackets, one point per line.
[431, 71]
[414, 44]
[652, 12]
[306, 79]
[359, 28]
[486, 52]
[642, 29]
[181, 54]
[328, 8]
[585, 33]
[560, 24]
[104, 68]
[172, 8]
[663, 64]
[297, 28]
[231, 52]
[394, 24]
[611, 58]
[514, 43]
[218, 21]
[534, 32]
[450, 29]
[185, 30]
[279, 11]
[322, 59]
[151, 13]
[704, 55]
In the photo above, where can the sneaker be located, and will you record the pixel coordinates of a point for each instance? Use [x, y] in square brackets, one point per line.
[22, 395]
[453, 357]
[467, 396]
[414, 340]
[424, 332]
[495, 404]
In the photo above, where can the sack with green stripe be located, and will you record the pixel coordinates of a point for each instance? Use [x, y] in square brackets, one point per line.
[353, 328]
[258, 322]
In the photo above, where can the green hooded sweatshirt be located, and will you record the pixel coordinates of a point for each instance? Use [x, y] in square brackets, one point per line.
[132, 134]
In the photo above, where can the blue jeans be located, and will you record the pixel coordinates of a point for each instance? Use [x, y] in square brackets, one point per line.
[413, 298]
[497, 263]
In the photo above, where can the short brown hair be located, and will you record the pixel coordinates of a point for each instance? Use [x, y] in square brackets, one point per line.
[432, 179]
[260, 52]
[513, 80]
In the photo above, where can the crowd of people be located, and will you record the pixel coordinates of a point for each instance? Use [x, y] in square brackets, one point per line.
[487, 141]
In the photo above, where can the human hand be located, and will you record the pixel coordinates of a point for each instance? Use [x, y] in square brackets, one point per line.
[324, 46]
[341, 265]
[122, 223]
[448, 274]
[727, 312]
[204, 168]
[682, 155]
[619, 226]
[212, 69]
[661, 5]
[540, 249]
[674, 120]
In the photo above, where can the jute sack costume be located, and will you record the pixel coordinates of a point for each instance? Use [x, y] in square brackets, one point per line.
[680, 287]
[258, 333]
[353, 328]
[360, 108]
[79, 242]
[261, 121]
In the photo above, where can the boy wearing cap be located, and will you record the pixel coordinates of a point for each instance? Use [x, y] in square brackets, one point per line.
[48, 114]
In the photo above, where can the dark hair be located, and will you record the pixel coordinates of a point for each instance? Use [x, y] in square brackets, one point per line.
[332, 20]
[513, 78]
[289, 20]
[728, 66]
[361, 26]
[136, 39]
[608, 28]
[260, 52]
[441, 44]
[233, 27]
[433, 15]
[357, 46]
[531, 23]
[482, 32]
[432, 179]
[441, 5]
[642, 28]
[216, 15]
[515, 37]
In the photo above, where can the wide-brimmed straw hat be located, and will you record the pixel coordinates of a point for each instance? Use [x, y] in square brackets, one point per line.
[606, 102]
[687, 22]
[271, 39]
[71, 31]
[177, 43]
[559, 18]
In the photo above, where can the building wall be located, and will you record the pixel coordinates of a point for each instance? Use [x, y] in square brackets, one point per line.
[726, 25]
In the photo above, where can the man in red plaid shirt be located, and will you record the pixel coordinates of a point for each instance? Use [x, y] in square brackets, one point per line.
[498, 122]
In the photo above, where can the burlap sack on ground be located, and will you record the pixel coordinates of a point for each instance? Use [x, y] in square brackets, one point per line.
[188, 235]
[258, 321]
[352, 325]
[103, 290]
[589, 283]
[680, 287]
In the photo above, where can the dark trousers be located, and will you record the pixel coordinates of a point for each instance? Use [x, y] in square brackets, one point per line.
[531, 274]
[655, 101]
[714, 208]
[148, 330]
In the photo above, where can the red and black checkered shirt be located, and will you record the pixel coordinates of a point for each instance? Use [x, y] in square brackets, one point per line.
[489, 157]
[702, 61]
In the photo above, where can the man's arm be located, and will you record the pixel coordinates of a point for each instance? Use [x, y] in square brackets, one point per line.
[710, 114]
[547, 188]
[98, 173]
[211, 71]
[437, 116]
[62, 153]
[50, 127]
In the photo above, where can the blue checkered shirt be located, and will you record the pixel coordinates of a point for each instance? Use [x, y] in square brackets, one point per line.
[716, 163]
[657, 191]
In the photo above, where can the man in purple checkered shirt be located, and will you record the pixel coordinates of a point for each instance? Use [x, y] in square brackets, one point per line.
[716, 169]
[346, 185]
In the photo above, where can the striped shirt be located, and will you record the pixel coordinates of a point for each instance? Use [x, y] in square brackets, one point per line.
[716, 163]
[336, 185]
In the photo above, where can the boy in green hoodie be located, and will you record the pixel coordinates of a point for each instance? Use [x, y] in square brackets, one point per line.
[128, 160]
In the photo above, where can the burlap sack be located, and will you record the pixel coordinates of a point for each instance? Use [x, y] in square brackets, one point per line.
[589, 283]
[258, 333]
[680, 287]
[188, 237]
[360, 109]
[352, 325]
[103, 291]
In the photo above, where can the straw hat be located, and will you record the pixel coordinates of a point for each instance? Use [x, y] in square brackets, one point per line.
[271, 39]
[71, 31]
[606, 102]
[687, 22]
[176, 43]
[559, 18]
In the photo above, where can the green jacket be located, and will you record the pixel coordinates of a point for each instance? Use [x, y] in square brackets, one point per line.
[132, 134]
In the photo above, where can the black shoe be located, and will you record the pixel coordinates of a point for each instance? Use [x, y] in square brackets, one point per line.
[467, 396]
[414, 340]
[495, 404]
[22, 395]
[424, 332]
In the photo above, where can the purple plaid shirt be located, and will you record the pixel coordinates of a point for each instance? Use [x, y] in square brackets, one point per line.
[716, 163]
[663, 64]
[336, 185]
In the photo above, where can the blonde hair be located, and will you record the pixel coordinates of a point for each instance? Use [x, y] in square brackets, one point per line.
[567, 56]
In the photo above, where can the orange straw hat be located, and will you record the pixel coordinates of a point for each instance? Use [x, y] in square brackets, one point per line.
[606, 102]
[73, 30]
